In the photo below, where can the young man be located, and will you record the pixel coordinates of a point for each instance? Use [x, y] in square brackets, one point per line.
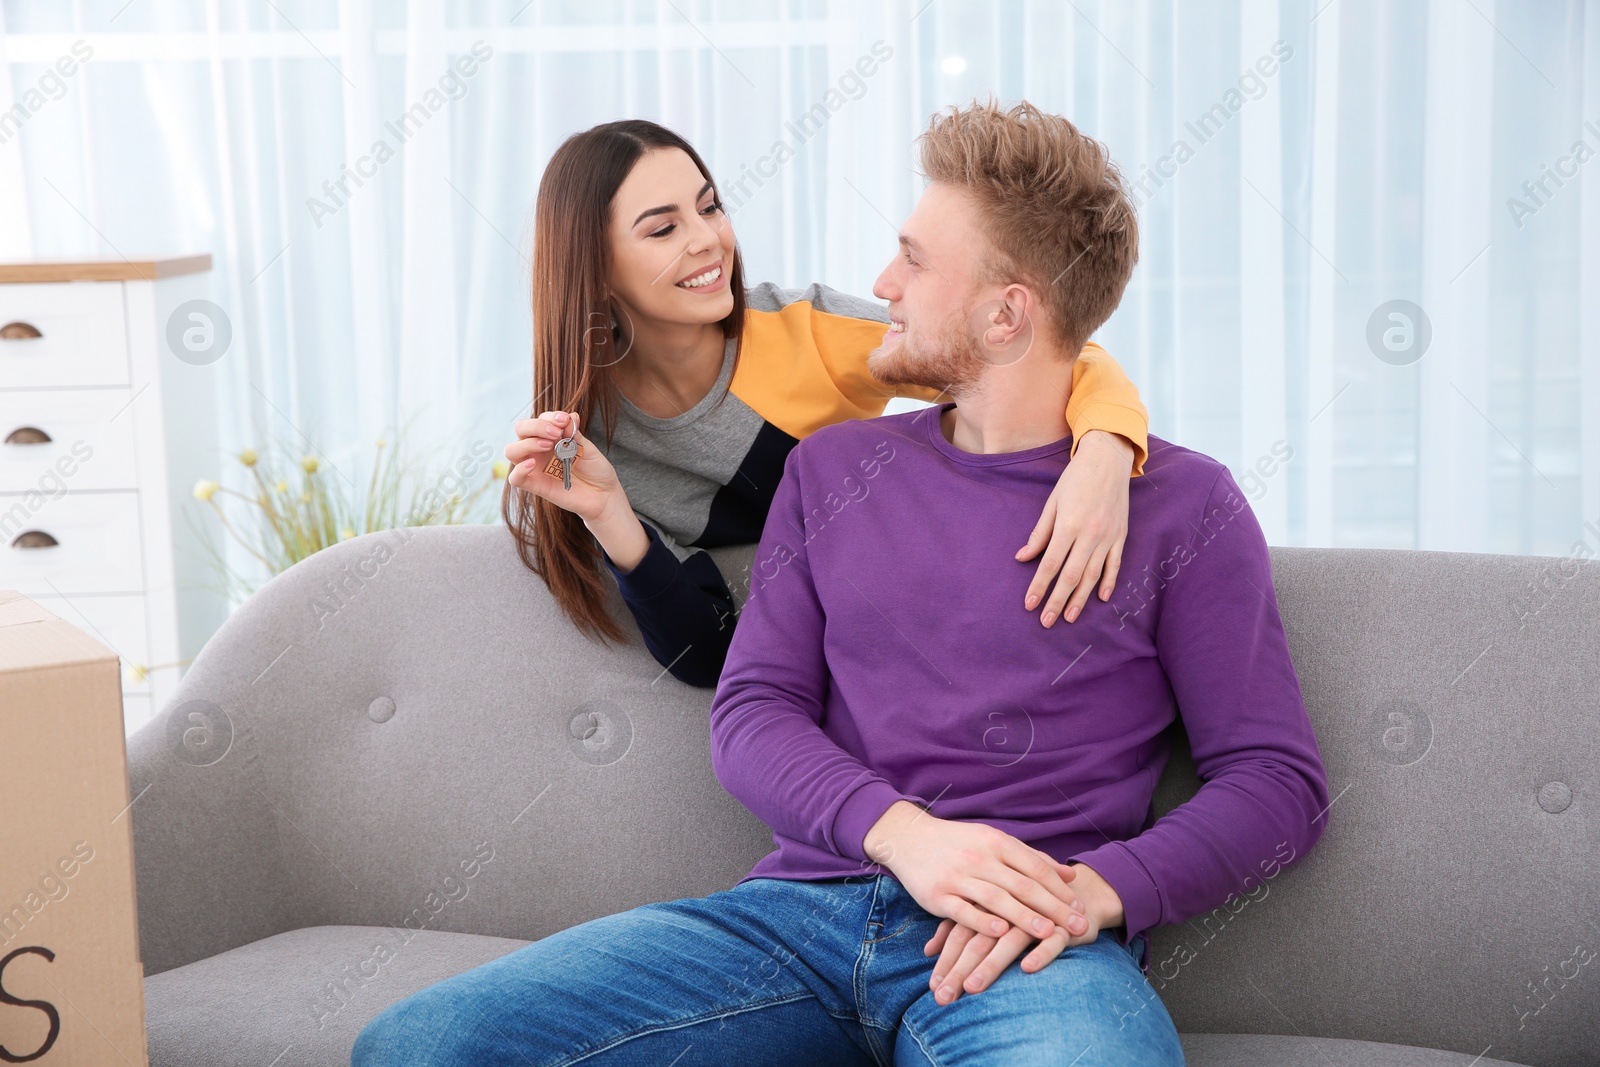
[942, 777]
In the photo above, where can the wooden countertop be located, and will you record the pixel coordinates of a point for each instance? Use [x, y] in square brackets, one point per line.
[104, 270]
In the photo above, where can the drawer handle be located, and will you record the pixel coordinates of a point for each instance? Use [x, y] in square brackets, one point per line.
[34, 539]
[27, 435]
[19, 331]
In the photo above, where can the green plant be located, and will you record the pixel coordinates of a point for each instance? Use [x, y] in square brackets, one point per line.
[298, 511]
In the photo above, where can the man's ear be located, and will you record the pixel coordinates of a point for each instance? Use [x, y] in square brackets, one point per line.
[1008, 319]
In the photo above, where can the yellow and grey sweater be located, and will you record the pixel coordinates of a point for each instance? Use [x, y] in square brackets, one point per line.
[706, 477]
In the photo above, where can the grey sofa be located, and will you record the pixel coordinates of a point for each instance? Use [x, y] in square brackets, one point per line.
[396, 762]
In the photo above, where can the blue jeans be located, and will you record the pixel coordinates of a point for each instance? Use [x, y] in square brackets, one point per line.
[773, 972]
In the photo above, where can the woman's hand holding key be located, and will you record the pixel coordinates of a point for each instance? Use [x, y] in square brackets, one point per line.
[595, 494]
[595, 487]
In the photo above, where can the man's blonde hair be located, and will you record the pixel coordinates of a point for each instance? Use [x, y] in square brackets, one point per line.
[1053, 204]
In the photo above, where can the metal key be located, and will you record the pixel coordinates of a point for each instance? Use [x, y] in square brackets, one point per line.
[566, 452]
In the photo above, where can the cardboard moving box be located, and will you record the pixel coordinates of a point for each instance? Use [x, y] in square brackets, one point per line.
[71, 985]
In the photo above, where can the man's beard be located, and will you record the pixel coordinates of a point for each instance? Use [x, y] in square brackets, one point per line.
[951, 361]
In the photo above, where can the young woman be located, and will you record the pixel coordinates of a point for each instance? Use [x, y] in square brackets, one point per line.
[695, 389]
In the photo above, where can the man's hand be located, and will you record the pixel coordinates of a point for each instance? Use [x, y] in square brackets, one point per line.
[977, 875]
[970, 962]
[1082, 529]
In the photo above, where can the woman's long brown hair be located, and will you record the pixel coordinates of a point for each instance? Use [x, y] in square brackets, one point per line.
[576, 344]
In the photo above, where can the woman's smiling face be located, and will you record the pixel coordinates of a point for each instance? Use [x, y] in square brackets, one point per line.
[672, 246]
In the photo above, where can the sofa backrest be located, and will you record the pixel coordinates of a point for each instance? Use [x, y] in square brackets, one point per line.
[1456, 702]
[403, 730]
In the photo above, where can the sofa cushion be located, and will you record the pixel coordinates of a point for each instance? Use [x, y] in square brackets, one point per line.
[1257, 1050]
[300, 998]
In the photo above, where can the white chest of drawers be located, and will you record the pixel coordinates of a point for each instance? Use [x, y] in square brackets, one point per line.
[103, 433]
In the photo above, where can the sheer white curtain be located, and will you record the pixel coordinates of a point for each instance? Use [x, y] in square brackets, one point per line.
[1300, 166]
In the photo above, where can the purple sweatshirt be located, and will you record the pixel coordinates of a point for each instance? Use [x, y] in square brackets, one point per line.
[884, 654]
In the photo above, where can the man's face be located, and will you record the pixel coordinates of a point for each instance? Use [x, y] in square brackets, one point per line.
[933, 294]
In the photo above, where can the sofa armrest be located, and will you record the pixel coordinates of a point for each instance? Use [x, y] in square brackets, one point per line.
[208, 843]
